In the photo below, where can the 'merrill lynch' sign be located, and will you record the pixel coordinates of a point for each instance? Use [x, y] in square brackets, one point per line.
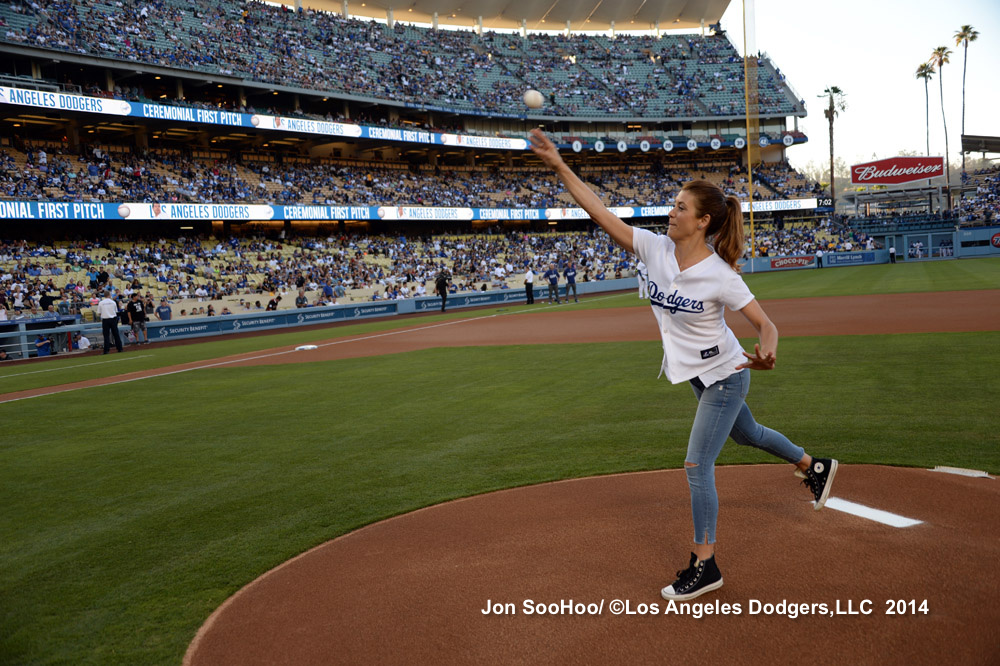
[896, 170]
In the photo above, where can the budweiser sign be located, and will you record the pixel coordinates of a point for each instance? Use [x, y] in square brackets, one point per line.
[896, 170]
[791, 262]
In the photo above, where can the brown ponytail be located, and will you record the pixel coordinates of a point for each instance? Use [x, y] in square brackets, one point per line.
[725, 228]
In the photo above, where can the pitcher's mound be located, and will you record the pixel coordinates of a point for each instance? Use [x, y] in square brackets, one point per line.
[840, 588]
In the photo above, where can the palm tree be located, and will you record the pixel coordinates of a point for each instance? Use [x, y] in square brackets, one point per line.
[965, 35]
[837, 104]
[939, 59]
[925, 71]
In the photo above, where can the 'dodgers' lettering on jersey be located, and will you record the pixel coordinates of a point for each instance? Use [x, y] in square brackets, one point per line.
[674, 303]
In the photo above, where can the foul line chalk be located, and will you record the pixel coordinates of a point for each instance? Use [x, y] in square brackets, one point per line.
[868, 512]
[239, 359]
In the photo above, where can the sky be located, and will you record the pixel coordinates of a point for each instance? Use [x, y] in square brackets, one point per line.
[871, 49]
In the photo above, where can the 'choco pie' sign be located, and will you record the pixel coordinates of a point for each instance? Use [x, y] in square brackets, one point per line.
[897, 170]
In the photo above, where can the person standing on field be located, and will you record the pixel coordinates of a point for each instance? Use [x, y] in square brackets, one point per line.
[107, 310]
[552, 275]
[441, 287]
[642, 274]
[691, 282]
[570, 275]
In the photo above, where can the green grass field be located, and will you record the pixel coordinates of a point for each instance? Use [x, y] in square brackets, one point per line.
[132, 511]
[880, 279]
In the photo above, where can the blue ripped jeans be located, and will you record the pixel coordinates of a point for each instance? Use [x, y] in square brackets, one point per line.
[722, 413]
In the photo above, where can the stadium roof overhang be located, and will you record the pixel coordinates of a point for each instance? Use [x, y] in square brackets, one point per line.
[915, 195]
[980, 144]
[538, 14]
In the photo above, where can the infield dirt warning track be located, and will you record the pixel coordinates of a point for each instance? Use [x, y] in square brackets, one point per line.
[413, 589]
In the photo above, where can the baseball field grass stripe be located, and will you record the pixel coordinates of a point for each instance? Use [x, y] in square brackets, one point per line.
[243, 359]
[70, 367]
[871, 513]
[909, 277]
[163, 356]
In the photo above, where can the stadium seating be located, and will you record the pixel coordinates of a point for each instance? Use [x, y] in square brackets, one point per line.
[982, 204]
[239, 273]
[109, 173]
[582, 75]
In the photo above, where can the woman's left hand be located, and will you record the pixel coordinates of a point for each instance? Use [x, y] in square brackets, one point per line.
[758, 362]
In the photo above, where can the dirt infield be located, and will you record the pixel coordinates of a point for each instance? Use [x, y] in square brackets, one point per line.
[412, 589]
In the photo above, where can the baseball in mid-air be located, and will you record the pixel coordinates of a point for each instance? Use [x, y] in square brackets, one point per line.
[533, 99]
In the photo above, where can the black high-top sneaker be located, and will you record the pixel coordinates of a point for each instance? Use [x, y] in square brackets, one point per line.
[819, 479]
[700, 577]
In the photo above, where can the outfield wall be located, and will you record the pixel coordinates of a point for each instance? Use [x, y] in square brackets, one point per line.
[943, 243]
[940, 243]
[980, 242]
[788, 263]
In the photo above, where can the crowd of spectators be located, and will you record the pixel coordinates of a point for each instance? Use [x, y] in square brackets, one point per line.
[92, 174]
[828, 235]
[194, 277]
[182, 277]
[626, 76]
[983, 205]
[44, 280]
[784, 182]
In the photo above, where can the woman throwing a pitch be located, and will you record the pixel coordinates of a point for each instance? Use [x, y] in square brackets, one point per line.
[691, 282]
